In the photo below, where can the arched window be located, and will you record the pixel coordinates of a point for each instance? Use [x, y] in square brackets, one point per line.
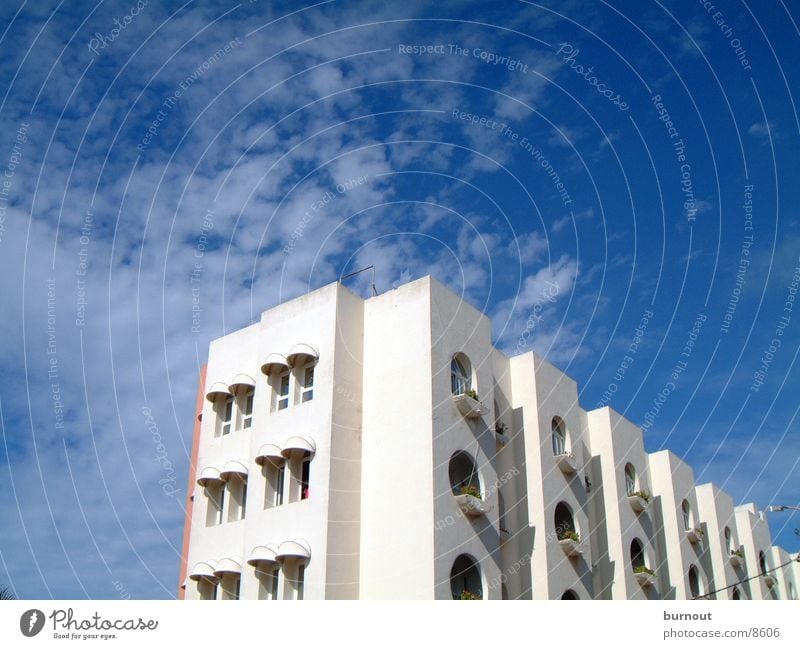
[736, 594]
[637, 555]
[729, 541]
[460, 374]
[564, 521]
[464, 477]
[790, 588]
[559, 434]
[503, 591]
[686, 509]
[465, 578]
[501, 512]
[570, 594]
[630, 479]
[695, 586]
[762, 562]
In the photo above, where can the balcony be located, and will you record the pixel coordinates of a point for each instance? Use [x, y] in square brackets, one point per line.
[566, 462]
[736, 558]
[469, 406]
[769, 581]
[639, 501]
[695, 535]
[471, 506]
[571, 545]
[645, 577]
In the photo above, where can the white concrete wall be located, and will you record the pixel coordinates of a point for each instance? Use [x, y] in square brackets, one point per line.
[517, 540]
[617, 441]
[716, 510]
[544, 393]
[784, 575]
[673, 482]
[397, 510]
[457, 327]
[344, 510]
[755, 537]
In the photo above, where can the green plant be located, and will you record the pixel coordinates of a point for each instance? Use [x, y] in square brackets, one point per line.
[500, 427]
[571, 535]
[471, 394]
[738, 553]
[470, 490]
[640, 569]
[466, 594]
[644, 495]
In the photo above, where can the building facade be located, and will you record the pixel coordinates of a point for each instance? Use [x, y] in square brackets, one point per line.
[385, 449]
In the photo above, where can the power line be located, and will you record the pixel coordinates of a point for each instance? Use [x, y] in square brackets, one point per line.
[744, 581]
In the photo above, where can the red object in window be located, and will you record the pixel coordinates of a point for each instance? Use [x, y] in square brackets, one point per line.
[305, 494]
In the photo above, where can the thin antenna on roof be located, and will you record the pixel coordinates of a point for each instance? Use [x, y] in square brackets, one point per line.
[372, 268]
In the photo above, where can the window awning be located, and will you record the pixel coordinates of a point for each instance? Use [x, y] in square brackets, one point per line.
[229, 565]
[297, 549]
[241, 381]
[216, 389]
[296, 443]
[269, 452]
[208, 474]
[203, 570]
[302, 353]
[231, 467]
[263, 554]
[274, 360]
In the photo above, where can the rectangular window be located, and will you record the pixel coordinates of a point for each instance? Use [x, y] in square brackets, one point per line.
[223, 408]
[248, 411]
[215, 493]
[244, 407]
[268, 582]
[283, 391]
[307, 393]
[294, 576]
[280, 478]
[238, 497]
[275, 582]
[274, 474]
[207, 589]
[300, 583]
[228, 413]
[304, 477]
[230, 586]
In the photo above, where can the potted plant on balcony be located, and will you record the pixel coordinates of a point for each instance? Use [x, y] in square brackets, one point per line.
[644, 576]
[569, 541]
[469, 405]
[736, 557]
[470, 502]
[639, 500]
[470, 490]
[466, 594]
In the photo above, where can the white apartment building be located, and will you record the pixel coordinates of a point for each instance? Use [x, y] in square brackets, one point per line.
[384, 449]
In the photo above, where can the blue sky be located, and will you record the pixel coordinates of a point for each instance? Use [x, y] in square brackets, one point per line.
[586, 163]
